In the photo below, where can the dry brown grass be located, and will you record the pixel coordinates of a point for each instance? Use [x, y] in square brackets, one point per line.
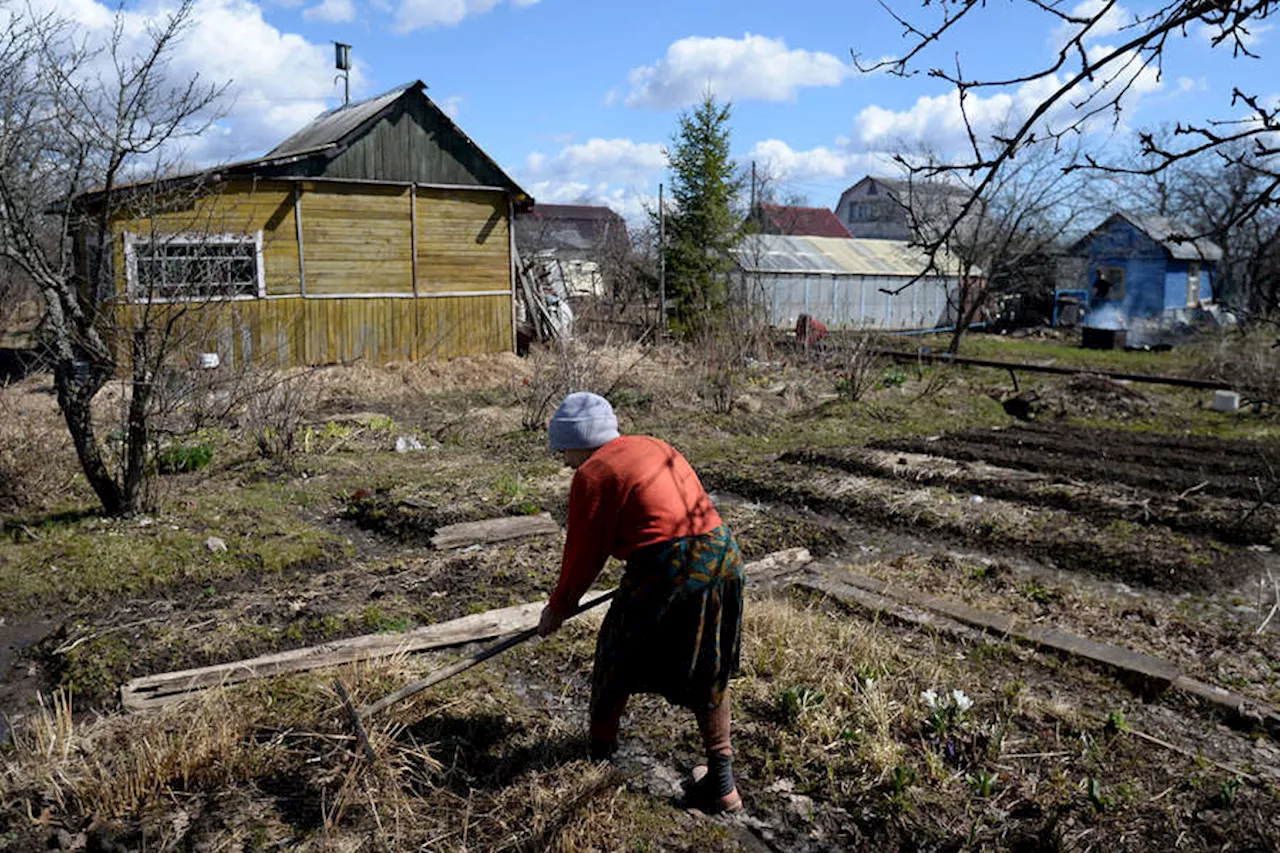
[111, 767]
[403, 385]
[1248, 362]
[845, 692]
[139, 770]
[37, 462]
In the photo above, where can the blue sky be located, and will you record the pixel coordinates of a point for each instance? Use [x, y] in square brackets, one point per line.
[575, 98]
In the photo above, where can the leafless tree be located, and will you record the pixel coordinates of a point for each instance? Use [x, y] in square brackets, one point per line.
[16, 299]
[1213, 196]
[85, 129]
[1084, 84]
[1009, 241]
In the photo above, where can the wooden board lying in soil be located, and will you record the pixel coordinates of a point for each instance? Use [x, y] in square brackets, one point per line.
[154, 691]
[1149, 672]
[494, 530]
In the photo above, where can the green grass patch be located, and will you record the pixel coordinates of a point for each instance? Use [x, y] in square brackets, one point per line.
[1068, 353]
[86, 560]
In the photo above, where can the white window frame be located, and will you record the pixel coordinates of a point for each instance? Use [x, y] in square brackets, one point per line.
[131, 241]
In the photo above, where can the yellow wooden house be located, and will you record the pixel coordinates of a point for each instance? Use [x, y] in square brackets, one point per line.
[379, 232]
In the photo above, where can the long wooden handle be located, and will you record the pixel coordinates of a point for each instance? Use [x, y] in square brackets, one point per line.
[466, 663]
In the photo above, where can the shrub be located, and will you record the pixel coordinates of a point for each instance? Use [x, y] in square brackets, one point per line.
[276, 409]
[857, 366]
[560, 369]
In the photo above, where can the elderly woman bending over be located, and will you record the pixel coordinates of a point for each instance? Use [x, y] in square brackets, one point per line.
[675, 626]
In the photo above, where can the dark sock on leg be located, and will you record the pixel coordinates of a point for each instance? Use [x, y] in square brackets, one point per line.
[720, 774]
[603, 750]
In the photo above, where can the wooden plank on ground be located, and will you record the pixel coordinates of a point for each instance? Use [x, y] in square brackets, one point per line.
[854, 587]
[494, 530]
[154, 691]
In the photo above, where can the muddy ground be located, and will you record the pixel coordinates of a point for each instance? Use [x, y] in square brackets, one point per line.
[1152, 533]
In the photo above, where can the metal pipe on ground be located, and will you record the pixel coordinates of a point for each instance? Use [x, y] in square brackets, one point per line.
[1175, 381]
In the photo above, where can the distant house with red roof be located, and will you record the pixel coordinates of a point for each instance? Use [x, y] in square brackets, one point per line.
[791, 221]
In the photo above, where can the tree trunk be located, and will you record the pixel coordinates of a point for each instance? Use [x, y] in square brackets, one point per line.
[969, 305]
[75, 398]
[137, 435]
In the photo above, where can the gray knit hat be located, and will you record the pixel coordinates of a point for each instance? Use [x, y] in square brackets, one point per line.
[584, 421]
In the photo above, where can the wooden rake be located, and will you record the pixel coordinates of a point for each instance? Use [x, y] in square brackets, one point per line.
[358, 716]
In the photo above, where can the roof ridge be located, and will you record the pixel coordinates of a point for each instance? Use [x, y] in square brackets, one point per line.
[395, 90]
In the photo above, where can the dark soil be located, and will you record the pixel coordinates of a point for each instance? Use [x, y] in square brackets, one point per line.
[403, 520]
[1142, 555]
[1162, 463]
[20, 673]
[1223, 519]
[763, 533]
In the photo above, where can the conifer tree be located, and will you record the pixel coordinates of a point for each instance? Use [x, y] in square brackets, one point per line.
[701, 226]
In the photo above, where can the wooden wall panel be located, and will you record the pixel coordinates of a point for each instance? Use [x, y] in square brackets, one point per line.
[463, 242]
[297, 332]
[464, 325]
[236, 207]
[357, 238]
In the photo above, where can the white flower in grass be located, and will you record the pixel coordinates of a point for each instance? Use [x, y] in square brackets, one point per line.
[930, 698]
[962, 702]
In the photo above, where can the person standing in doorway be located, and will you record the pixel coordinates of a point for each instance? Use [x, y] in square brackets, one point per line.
[675, 626]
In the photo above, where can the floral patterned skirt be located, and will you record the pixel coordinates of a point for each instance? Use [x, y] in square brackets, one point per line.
[675, 626]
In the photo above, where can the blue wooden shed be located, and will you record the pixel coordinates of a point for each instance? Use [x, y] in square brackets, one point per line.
[1147, 266]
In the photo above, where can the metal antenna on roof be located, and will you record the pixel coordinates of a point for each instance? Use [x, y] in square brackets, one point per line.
[342, 61]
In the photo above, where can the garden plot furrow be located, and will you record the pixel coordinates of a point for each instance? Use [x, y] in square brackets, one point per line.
[1225, 519]
[1152, 556]
[1241, 449]
[1250, 459]
[1098, 460]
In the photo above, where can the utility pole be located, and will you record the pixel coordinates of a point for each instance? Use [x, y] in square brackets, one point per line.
[662, 265]
[755, 208]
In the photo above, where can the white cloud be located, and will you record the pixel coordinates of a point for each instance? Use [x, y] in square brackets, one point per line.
[277, 81]
[451, 106]
[428, 14]
[1113, 20]
[1249, 34]
[817, 166]
[749, 68]
[1192, 84]
[937, 121]
[617, 161]
[331, 11]
[620, 173]
[934, 120]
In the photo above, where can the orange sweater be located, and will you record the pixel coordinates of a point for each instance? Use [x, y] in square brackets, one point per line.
[634, 491]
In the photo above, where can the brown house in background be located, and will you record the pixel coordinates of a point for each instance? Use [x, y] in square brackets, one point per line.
[379, 232]
[791, 221]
